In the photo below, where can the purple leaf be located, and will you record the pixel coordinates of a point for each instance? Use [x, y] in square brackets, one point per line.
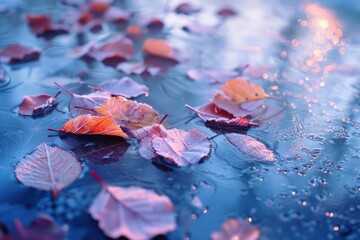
[16, 53]
[236, 229]
[31, 105]
[125, 87]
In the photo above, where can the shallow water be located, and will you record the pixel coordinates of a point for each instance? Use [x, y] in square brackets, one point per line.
[307, 53]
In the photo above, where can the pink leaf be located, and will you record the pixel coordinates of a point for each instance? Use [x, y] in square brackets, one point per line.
[81, 51]
[211, 75]
[226, 12]
[48, 168]
[251, 147]
[16, 53]
[138, 68]
[31, 105]
[187, 8]
[160, 48]
[42, 25]
[236, 229]
[133, 212]
[125, 87]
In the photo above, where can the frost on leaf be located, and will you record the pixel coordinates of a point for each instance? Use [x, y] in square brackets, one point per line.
[48, 168]
[128, 113]
[138, 68]
[125, 87]
[133, 212]
[236, 229]
[16, 53]
[32, 105]
[251, 147]
[211, 75]
[92, 125]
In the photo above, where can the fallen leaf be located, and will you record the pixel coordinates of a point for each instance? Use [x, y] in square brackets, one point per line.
[236, 229]
[32, 105]
[187, 8]
[256, 71]
[125, 87]
[16, 53]
[99, 150]
[251, 147]
[211, 75]
[226, 12]
[181, 147]
[81, 51]
[48, 168]
[135, 30]
[117, 16]
[83, 104]
[152, 23]
[132, 212]
[113, 51]
[138, 68]
[220, 118]
[92, 125]
[42, 25]
[42, 228]
[99, 8]
[160, 48]
[128, 113]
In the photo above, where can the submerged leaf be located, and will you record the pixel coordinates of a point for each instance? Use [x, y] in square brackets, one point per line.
[31, 105]
[160, 48]
[236, 229]
[48, 168]
[133, 212]
[251, 147]
[125, 87]
[16, 53]
[92, 125]
[128, 113]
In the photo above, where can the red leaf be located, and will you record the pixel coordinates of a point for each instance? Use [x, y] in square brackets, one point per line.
[226, 12]
[31, 105]
[116, 15]
[42, 228]
[86, 102]
[125, 87]
[42, 25]
[113, 51]
[133, 212]
[160, 48]
[211, 75]
[92, 125]
[251, 147]
[48, 168]
[16, 53]
[187, 9]
[236, 229]
[138, 68]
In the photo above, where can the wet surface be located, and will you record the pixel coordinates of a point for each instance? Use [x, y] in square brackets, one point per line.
[306, 53]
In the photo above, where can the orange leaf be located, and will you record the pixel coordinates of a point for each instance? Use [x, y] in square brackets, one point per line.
[161, 48]
[128, 113]
[240, 90]
[92, 125]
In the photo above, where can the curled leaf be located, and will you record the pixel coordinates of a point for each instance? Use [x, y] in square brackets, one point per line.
[125, 87]
[160, 48]
[16, 53]
[128, 113]
[32, 105]
[48, 168]
[133, 212]
[92, 125]
[251, 147]
[236, 229]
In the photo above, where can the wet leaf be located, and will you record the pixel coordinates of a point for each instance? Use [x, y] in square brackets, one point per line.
[187, 8]
[32, 105]
[87, 102]
[135, 30]
[81, 51]
[138, 68]
[220, 118]
[42, 228]
[132, 212]
[226, 12]
[92, 125]
[211, 75]
[116, 15]
[128, 113]
[48, 168]
[113, 51]
[236, 229]
[125, 87]
[181, 147]
[42, 25]
[160, 48]
[251, 147]
[199, 28]
[16, 53]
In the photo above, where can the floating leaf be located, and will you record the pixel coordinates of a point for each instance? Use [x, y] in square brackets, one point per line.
[211, 75]
[182, 147]
[85, 102]
[128, 113]
[116, 15]
[186, 8]
[236, 229]
[16, 53]
[125, 87]
[138, 68]
[48, 168]
[251, 147]
[226, 12]
[42, 25]
[92, 125]
[160, 48]
[133, 212]
[32, 105]
[81, 51]
[135, 30]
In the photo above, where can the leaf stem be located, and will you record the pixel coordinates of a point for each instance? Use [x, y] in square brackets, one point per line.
[54, 130]
[98, 178]
[163, 119]
[85, 108]
[20, 228]
[65, 89]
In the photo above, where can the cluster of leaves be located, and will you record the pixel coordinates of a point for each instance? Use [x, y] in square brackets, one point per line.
[135, 212]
